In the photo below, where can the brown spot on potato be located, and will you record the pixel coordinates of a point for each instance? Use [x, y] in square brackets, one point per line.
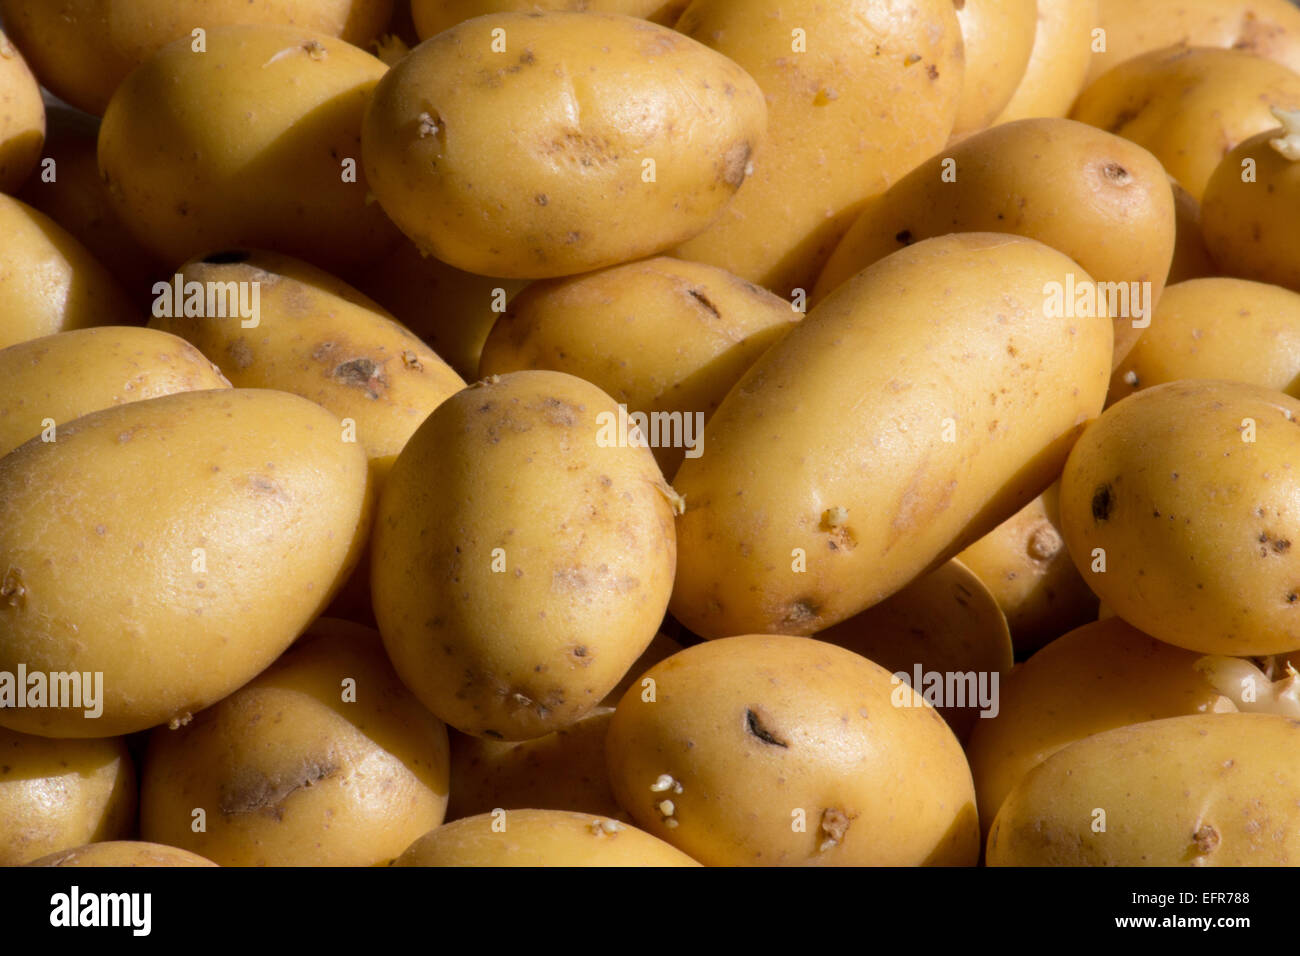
[1102, 503]
[703, 300]
[364, 373]
[253, 792]
[735, 163]
[12, 590]
[903, 238]
[1116, 174]
[802, 613]
[835, 823]
[756, 725]
[240, 353]
[1206, 839]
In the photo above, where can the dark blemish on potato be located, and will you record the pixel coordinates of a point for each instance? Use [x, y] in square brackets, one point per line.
[240, 353]
[1206, 839]
[703, 300]
[835, 823]
[755, 726]
[183, 208]
[361, 373]
[573, 237]
[1101, 503]
[1116, 174]
[735, 164]
[12, 590]
[541, 199]
[556, 411]
[904, 238]
[1291, 597]
[258, 793]
[229, 257]
[932, 72]
[802, 612]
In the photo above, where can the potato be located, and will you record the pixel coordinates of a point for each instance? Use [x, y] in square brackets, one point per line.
[1101, 200]
[1249, 214]
[1103, 675]
[320, 339]
[1230, 329]
[857, 95]
[537, 145]
[255, 142]
[998, 38]
[1177, 506]
[944, 630]
[802, 514]
[195, 536]
[324, 760]
[767, 750]
[1026, 566]
[22, 118]
[540, 838]
[1058, 62]
[49, 282]
[522, 558]
[83, 49]
[1189, 106]
[1263, 28]
[123, 853]
[433, 16]
[58, 794]
[664, 337]
[70, 374]
[1191, 257]
[1208, 790]
[564, 770]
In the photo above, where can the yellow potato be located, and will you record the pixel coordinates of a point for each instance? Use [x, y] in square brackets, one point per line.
[540, 838]
[537, 145]
[1026, 566]
[49, 282]
[778, 751]
[1177, 506]
[433, 16]
[255, 142]
[857, 95]
[1187, 791]
[944, 631]
[1249, 213]
[1103, 675]
[522, 558]
[1230, 329]
[123, 853]
[195, 535]
[899, 422]
[998, 38]
[1191, 257]
[83, 49]
[324, 760]
[64, 376]
[1189, 106]
[59, 794]
[664, 337]
[22, 118]
[1058, 62]
[1099, 199]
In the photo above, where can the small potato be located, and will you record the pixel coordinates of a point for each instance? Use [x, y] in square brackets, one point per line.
[778, 751]
[1100, 676]
[1178, 507]
[83, 49]
[522, 558]
[64, 376]
[1252, 203]
[122, 853]
[588, 140]
[1059, 61]
[194, 537]
[664, 337]
[49, 282]
[324, 760]
[1189, 105]
[1026, 566]
[998, 38]
[1229, 329]
[254, 143]
[59, 794]
[945, 624]
[1191, 257]
[1208, 790]
[22, 118]
[540, 838]
[433, 16]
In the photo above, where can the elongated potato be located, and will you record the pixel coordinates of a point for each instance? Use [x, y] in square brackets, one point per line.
[537, 145]
[1187, 791]
[997, 38]
[433, 16]
[22, 118]
[1178, 508]
[829, 484]
[177, 599]
[857, 95]
[1058, 63]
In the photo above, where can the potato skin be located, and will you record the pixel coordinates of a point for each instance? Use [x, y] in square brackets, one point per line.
[532, 163]
[1195, 519]
[857, 119]
[998, 38]
[257, 479]
[431, 17]
[22, 118]
[752, 729]
[1205, 790]
[190, 172]
[1058, 63]
[58, 794]
[1099, 199]
[83, 49]
[781, 454]
[660, 335]
[70, 374]
[536, 838]
[292, 772]
[1189, 105]
[511, 474]
[122, 853]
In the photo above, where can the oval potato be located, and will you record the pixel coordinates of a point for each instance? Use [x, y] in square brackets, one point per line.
[998, 38]
[1058, 62]
[22, 118]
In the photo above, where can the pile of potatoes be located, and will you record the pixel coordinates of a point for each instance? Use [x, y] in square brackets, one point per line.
[546, 432]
